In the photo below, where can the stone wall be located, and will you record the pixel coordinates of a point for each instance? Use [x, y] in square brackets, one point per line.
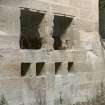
[48, 76]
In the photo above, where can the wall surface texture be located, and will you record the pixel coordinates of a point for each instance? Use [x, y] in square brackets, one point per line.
[54, 77]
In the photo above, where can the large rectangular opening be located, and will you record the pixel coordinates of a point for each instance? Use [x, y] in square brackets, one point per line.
[60, 30]
[30, 36]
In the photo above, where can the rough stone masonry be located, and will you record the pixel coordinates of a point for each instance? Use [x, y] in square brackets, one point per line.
[50, 51]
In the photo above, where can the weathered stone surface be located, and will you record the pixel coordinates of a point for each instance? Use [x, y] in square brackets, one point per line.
[52, 76]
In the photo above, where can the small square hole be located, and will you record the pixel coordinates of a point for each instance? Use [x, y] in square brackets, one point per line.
[25, 68]
[57, 67]
[70, 66]
[40, 70]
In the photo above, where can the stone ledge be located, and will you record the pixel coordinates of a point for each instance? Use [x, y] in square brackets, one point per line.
[16, 56]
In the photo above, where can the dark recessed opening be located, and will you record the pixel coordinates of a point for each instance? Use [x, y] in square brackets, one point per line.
[102, 18]
[24, 68]
[39, 68]
[70, 65]
[61, 24]
[57, 66]
[30, 36]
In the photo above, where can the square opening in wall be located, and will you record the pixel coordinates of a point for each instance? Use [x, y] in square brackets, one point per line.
[40, 70]
[70, 66]
[25, 68]
[61, 30]
[30, 35]
[57, 67]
